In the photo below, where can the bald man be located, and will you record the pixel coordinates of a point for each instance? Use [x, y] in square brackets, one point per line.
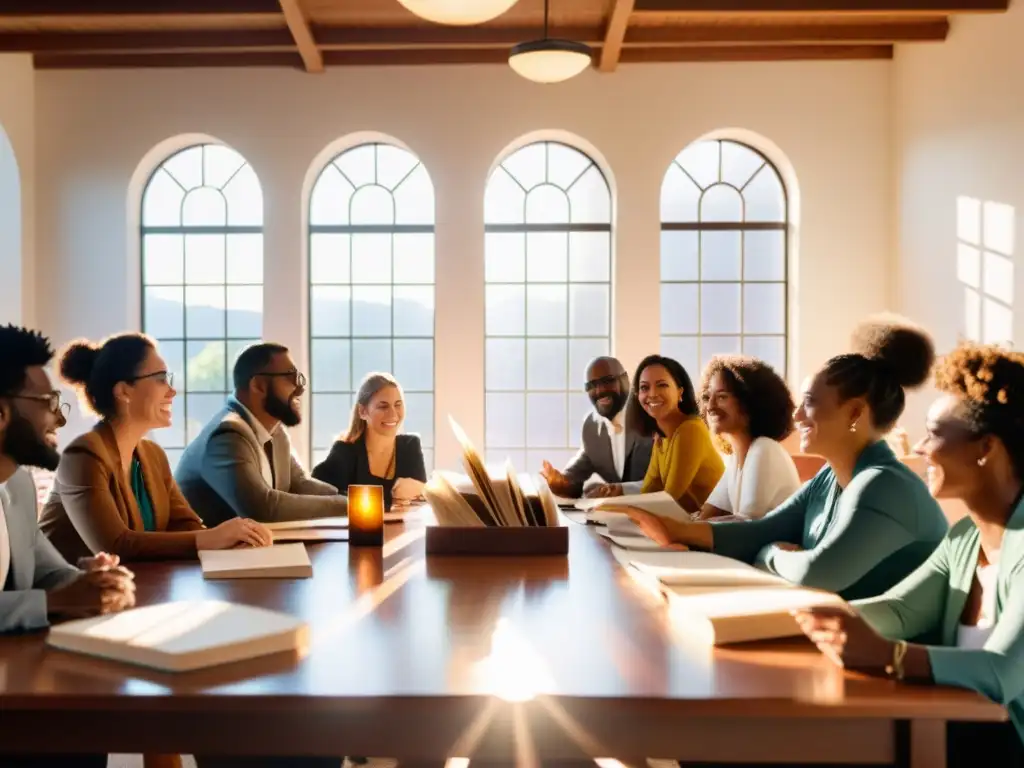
[617, 456]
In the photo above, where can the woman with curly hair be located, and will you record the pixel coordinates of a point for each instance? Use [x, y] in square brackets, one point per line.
[865, 520]
[748, 407]
[965, 605]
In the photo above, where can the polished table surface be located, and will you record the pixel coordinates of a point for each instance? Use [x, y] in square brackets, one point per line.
[427, 658]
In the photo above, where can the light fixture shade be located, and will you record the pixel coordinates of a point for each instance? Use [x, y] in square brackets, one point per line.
[549, 61]
[458, 11]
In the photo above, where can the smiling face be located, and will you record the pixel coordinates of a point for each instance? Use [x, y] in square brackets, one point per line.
[951, 451]
[724, 411]
[284, 389]
[822, 421]
[607, 388]
[147, 401]
[658, 393]
[385, 413]
[28, 424]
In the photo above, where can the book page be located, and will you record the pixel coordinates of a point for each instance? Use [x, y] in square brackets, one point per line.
[318, 522]
[215, 561]
[659, 503]
[630, 541]
[721, 602]
[676, 568]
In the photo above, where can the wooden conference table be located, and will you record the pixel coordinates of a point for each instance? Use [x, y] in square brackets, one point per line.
[519, 660]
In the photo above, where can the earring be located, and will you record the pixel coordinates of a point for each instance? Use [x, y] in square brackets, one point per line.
[982, 460]
[853, 427]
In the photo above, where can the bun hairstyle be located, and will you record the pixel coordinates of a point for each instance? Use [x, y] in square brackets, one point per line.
[95, 369]
[890, 355]
[990, 382]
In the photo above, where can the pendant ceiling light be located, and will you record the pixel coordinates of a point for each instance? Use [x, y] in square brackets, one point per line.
[460, 12]
[549, 60]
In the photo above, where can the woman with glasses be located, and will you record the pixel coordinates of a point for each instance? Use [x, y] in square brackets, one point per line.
[371, 451]
[114, 491]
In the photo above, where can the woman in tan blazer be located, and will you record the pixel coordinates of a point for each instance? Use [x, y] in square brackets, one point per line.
[114, 491]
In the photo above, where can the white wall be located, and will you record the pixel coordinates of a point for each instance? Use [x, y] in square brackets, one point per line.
[959, 117]
[17, 188]
[831, 119]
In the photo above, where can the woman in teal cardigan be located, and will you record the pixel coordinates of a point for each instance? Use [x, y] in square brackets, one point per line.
[959, 618]
[866, 520]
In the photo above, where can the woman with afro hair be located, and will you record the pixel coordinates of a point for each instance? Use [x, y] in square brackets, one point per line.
[865, 521]
[748, 407]
[964, 608]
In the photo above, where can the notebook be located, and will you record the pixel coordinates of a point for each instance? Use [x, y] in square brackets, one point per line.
[183, 636]
[659, 503]
[280, 561]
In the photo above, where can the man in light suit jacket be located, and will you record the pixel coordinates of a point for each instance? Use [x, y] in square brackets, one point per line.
[607, 449]
[241, 464]
[36, 583]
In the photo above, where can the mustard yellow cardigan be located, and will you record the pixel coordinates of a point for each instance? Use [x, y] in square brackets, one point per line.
[685, 465]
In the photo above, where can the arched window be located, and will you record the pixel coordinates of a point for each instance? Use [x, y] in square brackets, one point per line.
[202, 276]
[724, 228]
[371, 293]
[547, 214]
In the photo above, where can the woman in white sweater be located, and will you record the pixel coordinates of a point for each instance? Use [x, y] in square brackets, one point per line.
[750, 410]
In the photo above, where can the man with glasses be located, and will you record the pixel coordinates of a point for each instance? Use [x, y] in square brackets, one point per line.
[607, 448]
[242, 463]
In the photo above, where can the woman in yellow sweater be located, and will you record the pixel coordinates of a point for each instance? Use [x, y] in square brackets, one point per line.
[684, 462]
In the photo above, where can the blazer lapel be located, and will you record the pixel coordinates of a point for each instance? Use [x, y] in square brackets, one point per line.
[120, 487]
[19, 538]
[159, 499]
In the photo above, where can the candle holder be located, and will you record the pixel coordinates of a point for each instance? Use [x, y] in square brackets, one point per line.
[365, 516]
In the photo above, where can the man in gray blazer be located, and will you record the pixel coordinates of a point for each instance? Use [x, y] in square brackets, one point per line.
[607, 449]
[36, 583]
[241, 464]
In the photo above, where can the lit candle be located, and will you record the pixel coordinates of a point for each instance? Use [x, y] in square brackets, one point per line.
[366, 515]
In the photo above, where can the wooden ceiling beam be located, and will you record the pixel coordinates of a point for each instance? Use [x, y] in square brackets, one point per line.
[134, 7]
[618, 22]
[299, 27]
[143, 40]
[934, 7]
[757, 53]
[798, 33]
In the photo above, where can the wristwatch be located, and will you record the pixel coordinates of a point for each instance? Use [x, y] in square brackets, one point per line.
[895, 668]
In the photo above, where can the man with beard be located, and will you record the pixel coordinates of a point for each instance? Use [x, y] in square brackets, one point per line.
[242, 463]
[617, 455]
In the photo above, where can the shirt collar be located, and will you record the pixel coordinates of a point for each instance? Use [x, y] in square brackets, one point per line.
[262, 435]
[610, 424]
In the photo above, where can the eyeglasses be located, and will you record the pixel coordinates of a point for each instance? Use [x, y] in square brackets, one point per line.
[604, 381]
[164, 377]
[296, 377]
[53, 402]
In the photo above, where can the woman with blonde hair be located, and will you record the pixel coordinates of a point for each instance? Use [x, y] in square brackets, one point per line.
[371, 451]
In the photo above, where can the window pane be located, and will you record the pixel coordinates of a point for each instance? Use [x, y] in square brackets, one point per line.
[590, 256]
[393, 165]
[546, 310]
[371, 258]
[764, 308]
[330, 258]
[581, 352]
[680, 197]
[679, 255]
[547, 420]
[684, 350]
[201, 409]
[739, 163]
[164, 259]
[204, 312]
[546, 361]
[715, 345]
[358, 165]
[245, 311]
[164, 315]
[527, 165]
[720, 255]
[204, 259]
[547, 257]
[721, 203]
[206, 367]
[771, 349]
[161, 202]
[235, 348]
[505, 364]
[590, 201]
[330, 415]
[547, 204]
[244, 198]
[372, 205]
[764, 196]
[204, 206]
[679, 308]
[220, 164]
[764, 255]
[328, 204]
[504, 257]
[414, 258]
[579, 408]
[369, 356]
[371, 310]
[589, 310]
[186, 167]
[245, 259]
[506, 420]
[701, 161]
[330, 369]
[330, 310]
[414, 364]
[504, 199]
[414, 310]
[414, 199]
[419, 416]
[565, 164]
[720, 308]
[506, 310]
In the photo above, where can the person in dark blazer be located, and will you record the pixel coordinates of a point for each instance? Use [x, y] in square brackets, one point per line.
[608, 448]
[372, 452]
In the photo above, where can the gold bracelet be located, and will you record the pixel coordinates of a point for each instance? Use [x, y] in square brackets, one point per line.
[899, 652]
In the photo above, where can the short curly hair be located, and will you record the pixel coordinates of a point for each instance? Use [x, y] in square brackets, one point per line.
[763, 395]
[20, 349]
[990, 382]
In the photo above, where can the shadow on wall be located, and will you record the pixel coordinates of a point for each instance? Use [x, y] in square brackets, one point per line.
[10, 233]
[984, 265]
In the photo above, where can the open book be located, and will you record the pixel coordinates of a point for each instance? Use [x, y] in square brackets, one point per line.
[659, 503]
[495, 497]
[280, 561]
[182, 636]
[722, 600]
